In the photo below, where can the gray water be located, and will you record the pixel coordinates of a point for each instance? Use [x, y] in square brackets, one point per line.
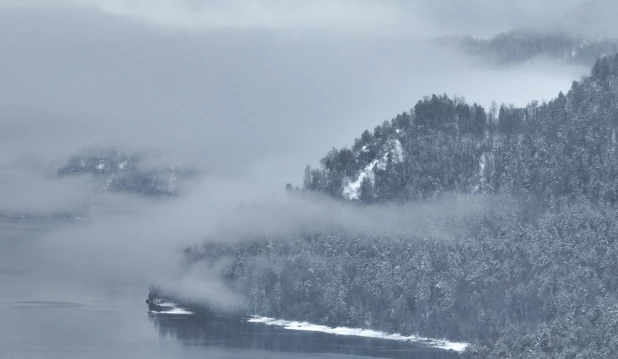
[44, 315]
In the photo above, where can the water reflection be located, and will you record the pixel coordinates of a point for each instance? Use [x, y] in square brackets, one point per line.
[193, 330]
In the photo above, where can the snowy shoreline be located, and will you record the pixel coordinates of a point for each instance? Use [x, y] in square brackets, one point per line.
[366, 333]
[172, 308]
[169, 308]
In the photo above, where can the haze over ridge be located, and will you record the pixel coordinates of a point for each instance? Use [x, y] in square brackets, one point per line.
[247, 99]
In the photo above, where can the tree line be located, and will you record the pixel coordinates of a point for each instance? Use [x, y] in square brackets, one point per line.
[531, 276]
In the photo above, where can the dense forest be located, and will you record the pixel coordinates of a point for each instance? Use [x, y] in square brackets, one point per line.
[524, 46]
[531, 275]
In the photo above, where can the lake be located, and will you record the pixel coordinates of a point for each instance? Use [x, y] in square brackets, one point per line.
[47, 315]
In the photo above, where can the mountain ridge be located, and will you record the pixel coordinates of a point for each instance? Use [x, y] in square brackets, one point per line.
[472, 141]
[531, 275]
[521, 46]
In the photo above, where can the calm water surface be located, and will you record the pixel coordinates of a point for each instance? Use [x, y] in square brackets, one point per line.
[46, 315]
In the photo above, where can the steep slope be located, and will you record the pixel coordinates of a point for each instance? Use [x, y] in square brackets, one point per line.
[525, 271]
[566, 147]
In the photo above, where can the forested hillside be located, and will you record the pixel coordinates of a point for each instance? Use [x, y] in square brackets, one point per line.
[532, 275]
[547, 151]
[118, 170]
[522, 47]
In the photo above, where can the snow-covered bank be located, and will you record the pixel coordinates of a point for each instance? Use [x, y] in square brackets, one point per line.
[304, 326]
[172, 311]
[159, 306]
[168, 308]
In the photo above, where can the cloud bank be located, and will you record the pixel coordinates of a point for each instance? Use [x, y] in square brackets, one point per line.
[248, 92]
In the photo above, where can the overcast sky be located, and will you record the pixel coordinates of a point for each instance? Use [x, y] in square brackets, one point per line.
[236, 86]
[361, 17]
[246, 91]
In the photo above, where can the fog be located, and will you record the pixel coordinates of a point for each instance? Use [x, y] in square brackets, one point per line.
[139, 248]
[227, 100]
[245, 92]
[417, 18]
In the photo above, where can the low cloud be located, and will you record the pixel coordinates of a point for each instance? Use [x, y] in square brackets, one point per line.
[245, 92]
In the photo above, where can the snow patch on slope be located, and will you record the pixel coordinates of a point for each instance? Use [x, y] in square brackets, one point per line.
[351, 190]
[397, 151]
[485, 160]
[366, 333]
